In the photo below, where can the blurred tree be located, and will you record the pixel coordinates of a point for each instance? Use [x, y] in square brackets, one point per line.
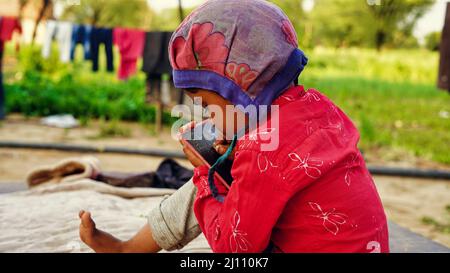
[392, 16]
[340, 23]
[43, 9]
[180, 10]
[22, 4]
[168, 19]
[362, 23]
[110, 13]
[432, 41]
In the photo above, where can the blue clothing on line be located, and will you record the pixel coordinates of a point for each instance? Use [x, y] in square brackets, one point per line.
[81, 34]
[102, 36]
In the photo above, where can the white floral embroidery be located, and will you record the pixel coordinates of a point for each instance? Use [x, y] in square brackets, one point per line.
[338, 126]
[350, 165]
[309, 127]
[308, 164]
[264, 163]
[310, 96]
[254, 136]
[217, 231]
[238, 242]
[205, 186]
[374, 246]
[244, 144]
[331, 219]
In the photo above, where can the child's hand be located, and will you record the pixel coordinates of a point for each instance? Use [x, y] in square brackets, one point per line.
[221, 147]
[188, 126]
[191, 156]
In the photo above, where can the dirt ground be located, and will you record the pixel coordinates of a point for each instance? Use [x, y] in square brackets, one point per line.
[407, 201]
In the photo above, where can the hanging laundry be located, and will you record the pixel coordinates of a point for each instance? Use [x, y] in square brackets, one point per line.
[156, 61]
[102, 36]
[131, 45]
[2, 96]
[81, 34]
[2, 93]
[62, 31]
[156, 53]
[28, 27]
[7, 27]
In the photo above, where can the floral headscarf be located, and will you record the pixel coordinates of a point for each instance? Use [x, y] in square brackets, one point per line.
[245, 50]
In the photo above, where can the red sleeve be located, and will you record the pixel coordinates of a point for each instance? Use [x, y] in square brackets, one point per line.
[244, 221]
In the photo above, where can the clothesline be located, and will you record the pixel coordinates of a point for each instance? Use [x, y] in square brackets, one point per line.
[133, 43]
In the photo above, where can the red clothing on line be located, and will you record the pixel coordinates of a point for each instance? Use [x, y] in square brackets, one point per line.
[312, 194]
[131, 46]
[7, 27]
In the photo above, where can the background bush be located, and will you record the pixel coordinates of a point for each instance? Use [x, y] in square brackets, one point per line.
[45, 87]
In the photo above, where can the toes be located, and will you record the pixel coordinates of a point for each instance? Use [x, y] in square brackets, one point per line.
[87, 221]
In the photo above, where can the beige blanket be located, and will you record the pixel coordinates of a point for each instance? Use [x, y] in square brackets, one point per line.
[45, 218]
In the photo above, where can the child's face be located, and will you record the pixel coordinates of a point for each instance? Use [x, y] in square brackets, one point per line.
[214, 102]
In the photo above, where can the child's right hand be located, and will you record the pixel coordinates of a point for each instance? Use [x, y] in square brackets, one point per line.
[221, 147]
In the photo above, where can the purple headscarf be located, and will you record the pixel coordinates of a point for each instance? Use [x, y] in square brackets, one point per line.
[245, 50]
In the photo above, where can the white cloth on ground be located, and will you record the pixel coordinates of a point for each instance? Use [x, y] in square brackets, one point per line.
[45, 218]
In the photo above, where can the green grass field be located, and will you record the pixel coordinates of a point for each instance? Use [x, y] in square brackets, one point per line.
[390, 95]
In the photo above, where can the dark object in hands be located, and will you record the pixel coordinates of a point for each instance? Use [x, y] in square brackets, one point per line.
[201, 139]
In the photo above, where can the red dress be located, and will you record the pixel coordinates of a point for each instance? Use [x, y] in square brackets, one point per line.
[7, 27]
[131, 46]
[311, 194]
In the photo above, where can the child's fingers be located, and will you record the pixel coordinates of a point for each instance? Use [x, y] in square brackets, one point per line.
[187, 152]
[221, 149]
[222, 142]
[187, 127]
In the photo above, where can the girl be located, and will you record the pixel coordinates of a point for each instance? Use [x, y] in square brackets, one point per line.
[311, 192]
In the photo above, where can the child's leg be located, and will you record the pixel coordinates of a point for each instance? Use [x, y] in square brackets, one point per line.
[103, 242]
[171, 225]
[173, 222]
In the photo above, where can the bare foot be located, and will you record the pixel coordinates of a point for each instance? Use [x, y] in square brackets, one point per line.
[96, 239]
